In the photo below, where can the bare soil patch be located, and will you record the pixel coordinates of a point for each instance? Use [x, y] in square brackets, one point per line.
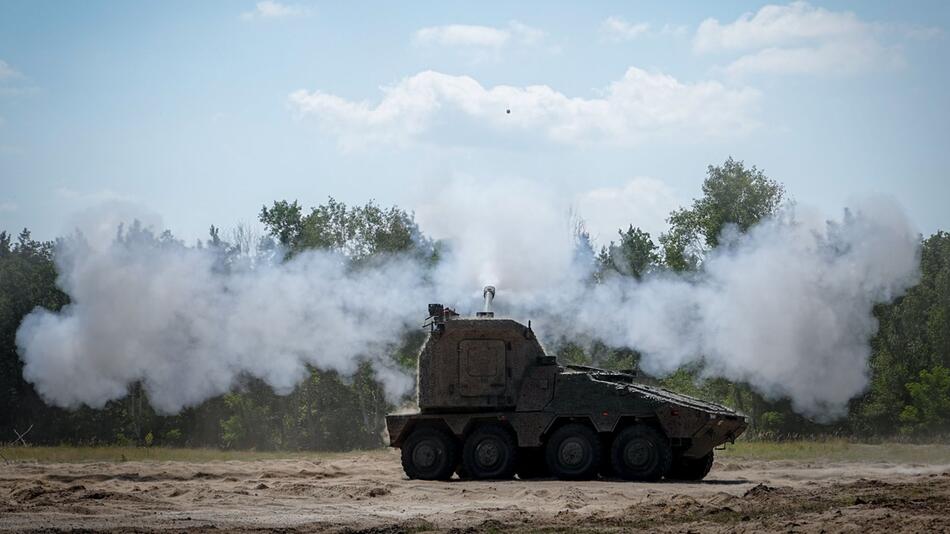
[367, 492]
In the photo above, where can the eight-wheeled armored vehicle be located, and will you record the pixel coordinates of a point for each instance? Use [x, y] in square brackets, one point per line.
[492, 405]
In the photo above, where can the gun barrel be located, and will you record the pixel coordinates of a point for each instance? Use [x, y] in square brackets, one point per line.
[489, 294]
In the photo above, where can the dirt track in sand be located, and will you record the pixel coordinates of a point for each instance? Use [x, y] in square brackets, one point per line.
[368, 492]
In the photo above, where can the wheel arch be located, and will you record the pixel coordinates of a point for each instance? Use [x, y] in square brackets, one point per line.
[565, 420]
[475, 422]
[416, 423]
[625, 421]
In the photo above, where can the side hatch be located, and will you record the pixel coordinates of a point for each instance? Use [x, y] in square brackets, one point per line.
[483, 368]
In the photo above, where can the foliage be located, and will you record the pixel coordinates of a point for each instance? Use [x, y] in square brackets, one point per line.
[733, 195]
[359, 232]
[909, 392]
[634, 255]
[929, 408]
[250, 425]
[27, 280]
[913, 336]
[772, 421]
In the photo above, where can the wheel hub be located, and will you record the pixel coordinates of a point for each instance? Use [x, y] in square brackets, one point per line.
[639, 454]
[571, 452]
[487, 453]
[425, 454]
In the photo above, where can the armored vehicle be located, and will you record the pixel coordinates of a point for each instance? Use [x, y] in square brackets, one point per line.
[492, 405]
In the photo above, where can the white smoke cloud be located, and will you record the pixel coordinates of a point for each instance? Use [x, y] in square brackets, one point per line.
[513, 234]
[786, 307]
[167, 316]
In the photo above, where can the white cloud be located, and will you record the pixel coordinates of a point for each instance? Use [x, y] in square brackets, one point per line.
[799, 38]
[526, 34]
[8, 207]
[676, 30]
[643, 202]
[775, 25]
[640, 105]
[840, 58]
[8, 72]
[464, 35]
[920, 33]
[617, 29]
[269, 9]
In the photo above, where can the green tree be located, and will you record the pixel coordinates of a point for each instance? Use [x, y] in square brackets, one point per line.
[284, 221]
[359, 232]
[634, 255]
[27, 280]
[929, 408]
[913, 336]
[733, 195]
[252, 424]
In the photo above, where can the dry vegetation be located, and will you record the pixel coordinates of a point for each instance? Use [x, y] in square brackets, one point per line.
[831, 450]
[70, 454]
[839, 450]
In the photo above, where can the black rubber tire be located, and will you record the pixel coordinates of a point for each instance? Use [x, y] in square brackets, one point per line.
[531, 463]
[573, 452]
[606, 468]
[691, 469]
[641, 452]
[429, 454]
[490, 452]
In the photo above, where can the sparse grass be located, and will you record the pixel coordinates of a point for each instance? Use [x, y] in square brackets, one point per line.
[67, 454]
[839, 450]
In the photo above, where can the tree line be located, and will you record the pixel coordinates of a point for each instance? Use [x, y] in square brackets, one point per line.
[908, 395]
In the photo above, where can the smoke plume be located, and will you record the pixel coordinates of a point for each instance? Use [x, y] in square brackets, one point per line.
[170, 317]
[786, 307]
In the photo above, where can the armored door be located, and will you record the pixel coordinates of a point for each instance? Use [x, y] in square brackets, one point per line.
[483, 368]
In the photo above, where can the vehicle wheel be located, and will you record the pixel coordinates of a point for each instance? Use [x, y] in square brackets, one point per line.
[641, 452]
[531, 463]
[490, 452]
[573, 453]
[691, 468]
[429, 454]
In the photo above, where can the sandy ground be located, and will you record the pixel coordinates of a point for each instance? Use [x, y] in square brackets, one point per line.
[369, 493]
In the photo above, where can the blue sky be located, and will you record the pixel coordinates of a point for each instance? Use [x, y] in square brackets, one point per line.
[201, 112]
